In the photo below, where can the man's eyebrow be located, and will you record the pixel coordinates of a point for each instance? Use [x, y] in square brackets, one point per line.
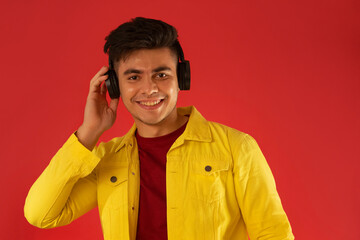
[161, 68]
[158, 69]
[131, 70]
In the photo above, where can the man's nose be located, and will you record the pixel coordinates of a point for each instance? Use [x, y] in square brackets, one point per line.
[149, 85]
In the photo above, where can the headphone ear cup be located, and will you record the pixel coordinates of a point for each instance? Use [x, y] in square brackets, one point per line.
[183, 73]
[112, 84]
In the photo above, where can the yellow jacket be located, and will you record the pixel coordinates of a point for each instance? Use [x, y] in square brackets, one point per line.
[218, 186]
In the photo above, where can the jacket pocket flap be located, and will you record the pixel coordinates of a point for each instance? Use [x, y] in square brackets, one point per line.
[113, 176]
[209, 167]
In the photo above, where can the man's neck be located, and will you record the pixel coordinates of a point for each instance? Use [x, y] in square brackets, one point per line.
[169, 125]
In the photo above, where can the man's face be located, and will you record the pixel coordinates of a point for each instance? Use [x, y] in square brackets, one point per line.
[149, 86]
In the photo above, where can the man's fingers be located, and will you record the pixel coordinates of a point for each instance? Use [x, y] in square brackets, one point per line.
[102, 71]
[103, 89]
[98, 80]
[99, 75]
[96, 83]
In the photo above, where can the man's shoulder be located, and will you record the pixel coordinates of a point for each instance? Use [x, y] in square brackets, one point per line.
[112, 143]
[110, 147]
[224, 129]
[233, 136]
[117, 143]
[217, 130]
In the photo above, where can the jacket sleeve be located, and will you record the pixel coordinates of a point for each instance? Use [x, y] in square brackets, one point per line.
[66, 189]
[256, 193]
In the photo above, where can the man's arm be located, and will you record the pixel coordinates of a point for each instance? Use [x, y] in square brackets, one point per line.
[67, 188]
[256, 193]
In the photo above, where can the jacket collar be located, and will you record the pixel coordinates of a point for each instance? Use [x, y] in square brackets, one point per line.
[128, 139]
[197, 128]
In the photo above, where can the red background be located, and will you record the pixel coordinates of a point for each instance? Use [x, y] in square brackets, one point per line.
[286, 72]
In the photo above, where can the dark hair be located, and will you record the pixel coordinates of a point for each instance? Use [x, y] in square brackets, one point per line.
[137, 34]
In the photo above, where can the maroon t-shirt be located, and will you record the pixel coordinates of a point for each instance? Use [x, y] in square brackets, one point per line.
[152, 212]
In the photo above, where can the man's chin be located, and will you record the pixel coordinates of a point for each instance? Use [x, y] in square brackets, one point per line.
[148, 121]
[155, 118]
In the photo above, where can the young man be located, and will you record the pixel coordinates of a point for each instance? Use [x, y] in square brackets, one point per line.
[174, 175]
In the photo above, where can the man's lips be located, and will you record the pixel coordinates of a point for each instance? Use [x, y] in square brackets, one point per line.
[150, 102]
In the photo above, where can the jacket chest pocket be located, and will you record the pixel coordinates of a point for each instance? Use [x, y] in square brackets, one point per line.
[207, 179]
[112, 187]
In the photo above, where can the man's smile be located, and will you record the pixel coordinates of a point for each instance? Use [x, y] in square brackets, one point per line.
[150, 103]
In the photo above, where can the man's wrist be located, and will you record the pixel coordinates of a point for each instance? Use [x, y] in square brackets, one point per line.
[87, 137]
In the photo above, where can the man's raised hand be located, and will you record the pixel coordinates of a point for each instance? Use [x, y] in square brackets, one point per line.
[99, 115]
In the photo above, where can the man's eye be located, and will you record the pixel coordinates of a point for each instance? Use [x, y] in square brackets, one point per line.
[133, 78]
[162, 75]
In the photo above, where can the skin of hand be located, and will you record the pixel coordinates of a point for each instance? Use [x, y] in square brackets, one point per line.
[99, 115]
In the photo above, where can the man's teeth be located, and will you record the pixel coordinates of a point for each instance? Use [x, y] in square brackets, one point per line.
[150, 103]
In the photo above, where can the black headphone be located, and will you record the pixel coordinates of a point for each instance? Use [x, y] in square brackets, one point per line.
[183, 74]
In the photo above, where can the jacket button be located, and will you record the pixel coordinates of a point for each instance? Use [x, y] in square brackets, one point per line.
[208, 168]
[113, 179]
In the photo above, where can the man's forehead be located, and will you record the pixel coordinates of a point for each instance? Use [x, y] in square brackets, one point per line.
[148, 58]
